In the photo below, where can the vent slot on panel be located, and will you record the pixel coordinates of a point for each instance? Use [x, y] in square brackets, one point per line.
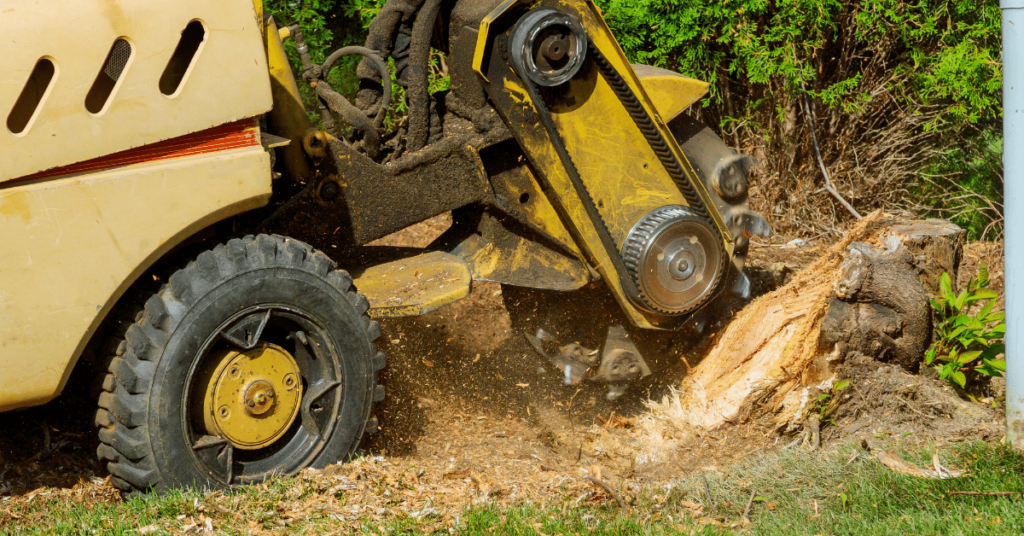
[27, 107]
[192, 38]
[106, 81]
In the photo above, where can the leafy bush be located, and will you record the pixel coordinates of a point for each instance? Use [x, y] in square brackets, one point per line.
[905, 94]
[352, 17]
[967, 342]
[326, 25]
[898, 87]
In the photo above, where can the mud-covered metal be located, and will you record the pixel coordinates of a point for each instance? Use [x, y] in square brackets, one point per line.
[730, 178]
[670, 92]
[548, 47]
[620, 359]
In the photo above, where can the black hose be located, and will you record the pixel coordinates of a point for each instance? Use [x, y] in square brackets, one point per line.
[380, 36]
[353, 115]
[419, 63]
[376, 62]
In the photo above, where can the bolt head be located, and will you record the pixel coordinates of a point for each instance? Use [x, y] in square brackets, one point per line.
[330, 191]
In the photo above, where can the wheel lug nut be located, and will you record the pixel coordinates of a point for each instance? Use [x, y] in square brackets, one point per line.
[270, 393]
[252, 403]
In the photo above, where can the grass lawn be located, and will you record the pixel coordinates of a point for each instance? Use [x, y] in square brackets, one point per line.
[794, 492]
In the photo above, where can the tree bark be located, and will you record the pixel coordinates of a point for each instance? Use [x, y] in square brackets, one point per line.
[879, 308]
[937, 246]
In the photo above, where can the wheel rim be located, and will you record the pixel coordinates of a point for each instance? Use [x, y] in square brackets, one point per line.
[253, 396]
[251, 354]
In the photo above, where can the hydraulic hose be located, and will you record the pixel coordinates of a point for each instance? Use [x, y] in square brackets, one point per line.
[419, 63]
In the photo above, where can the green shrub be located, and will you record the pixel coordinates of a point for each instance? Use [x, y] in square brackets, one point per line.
[967, 342]
[905, 95]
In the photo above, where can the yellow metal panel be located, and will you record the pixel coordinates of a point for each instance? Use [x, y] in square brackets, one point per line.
[535, 142]
[227, 82]
[670, 92]
[522, 262]
[612, 156]
[258, 6]
[288, 118]
[485, 27]
[541, 212]
[414, 286]
[602, 37]
[72, 246]
[620, 169]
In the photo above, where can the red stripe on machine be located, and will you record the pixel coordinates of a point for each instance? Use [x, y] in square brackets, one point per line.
[237, 135]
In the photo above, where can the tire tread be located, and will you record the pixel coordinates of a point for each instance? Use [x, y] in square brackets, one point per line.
[122, 417]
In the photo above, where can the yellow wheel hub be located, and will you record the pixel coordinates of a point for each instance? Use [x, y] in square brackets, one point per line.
[253, 397]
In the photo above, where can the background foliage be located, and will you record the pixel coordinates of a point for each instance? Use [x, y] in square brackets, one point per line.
[905, 94]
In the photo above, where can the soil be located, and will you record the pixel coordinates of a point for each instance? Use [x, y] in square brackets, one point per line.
[471, 403]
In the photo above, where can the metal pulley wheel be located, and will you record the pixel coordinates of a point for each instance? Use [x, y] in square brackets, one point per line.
[548, 47]
[675, 259]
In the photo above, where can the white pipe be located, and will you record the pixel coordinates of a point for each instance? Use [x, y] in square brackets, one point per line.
[1013, 195]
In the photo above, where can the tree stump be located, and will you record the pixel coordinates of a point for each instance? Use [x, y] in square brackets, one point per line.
[937, 246]
[879, 307]
[867, 294]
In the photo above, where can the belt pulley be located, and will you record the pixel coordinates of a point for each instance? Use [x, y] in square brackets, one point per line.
[673, 259]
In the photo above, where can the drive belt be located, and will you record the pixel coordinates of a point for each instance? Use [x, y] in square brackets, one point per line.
[657, 142]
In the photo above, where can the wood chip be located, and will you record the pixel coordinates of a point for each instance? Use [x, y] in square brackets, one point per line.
[892, 460]
[608, 488]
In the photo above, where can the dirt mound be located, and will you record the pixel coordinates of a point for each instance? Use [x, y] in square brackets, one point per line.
[884, 400]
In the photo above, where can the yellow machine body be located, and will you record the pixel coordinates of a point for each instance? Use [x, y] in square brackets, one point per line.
[74, 238]
[132, 127]
[618, 166]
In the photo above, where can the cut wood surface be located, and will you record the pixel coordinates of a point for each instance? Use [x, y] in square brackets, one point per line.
[773, 360]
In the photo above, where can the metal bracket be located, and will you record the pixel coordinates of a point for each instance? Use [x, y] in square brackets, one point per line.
[620, 359]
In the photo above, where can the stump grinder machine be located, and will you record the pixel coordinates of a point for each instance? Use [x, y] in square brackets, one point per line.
[171, 217]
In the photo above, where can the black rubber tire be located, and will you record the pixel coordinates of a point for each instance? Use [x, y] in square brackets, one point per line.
[144, 437]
